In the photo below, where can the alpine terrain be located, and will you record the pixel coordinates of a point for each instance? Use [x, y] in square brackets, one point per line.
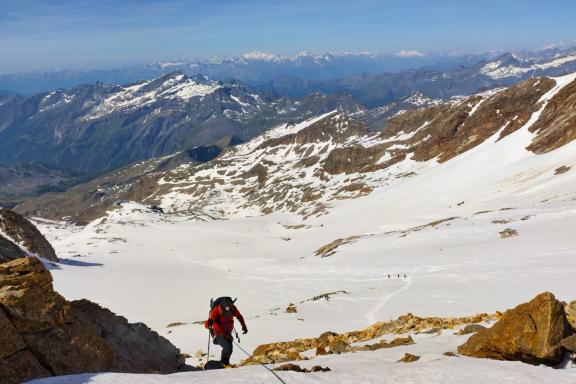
[375, 253]
[297, 192]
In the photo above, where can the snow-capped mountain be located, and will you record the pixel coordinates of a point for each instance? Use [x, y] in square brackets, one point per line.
[98, 127]
[508, 66]
[377, 90]
[252, 67]
[303, 168]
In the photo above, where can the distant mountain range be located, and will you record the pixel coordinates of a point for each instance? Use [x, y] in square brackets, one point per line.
[260, 67]
[375, 90]
[252, 68]
[90, 129]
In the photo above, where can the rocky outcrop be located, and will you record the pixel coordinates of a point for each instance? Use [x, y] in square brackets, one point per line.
[382, 344]
[531, 333]
[131, 343]
[335, 343]
[42, 334]
[555, 127]
[297, 368]
[26, 234]
[409, 358]
[355, 159]
[9, 251]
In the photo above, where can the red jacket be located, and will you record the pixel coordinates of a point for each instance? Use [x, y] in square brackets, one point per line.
[223, 324]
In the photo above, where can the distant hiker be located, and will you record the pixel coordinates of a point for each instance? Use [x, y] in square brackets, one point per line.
[221, 324]
[398, 275]
[388, 275]
[404, 275]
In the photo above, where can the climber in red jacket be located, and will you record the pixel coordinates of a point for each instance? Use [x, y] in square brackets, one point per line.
[221, 324]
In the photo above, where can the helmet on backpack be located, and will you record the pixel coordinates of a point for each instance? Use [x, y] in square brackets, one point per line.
[225, 302]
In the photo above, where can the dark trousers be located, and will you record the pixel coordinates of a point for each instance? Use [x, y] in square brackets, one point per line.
[225, 341]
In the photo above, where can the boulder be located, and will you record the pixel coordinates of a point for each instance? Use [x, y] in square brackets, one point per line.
[531, 333]
[26, 234]
[318, 368]
[409, 358]
[569, 343]
[291, 308]
[471, 328]
[42, 334]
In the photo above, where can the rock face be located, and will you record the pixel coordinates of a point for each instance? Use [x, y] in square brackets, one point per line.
[571, 314]
[531, 333]
[9, 251]
[26, 234]
[131, 343]
[41, 334]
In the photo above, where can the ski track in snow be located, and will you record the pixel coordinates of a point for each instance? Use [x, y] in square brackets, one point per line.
[371, 316]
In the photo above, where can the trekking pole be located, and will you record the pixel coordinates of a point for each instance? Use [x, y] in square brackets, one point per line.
[209, 332]
[261, 364]
[209, 337]
[236, 333]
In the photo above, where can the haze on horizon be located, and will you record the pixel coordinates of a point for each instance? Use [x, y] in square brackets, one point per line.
[83, 34]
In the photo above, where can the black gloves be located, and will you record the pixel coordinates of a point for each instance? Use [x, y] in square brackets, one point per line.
[210, 322]
[244, 330]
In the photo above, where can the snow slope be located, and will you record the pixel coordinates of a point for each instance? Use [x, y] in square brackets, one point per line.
[162, 269]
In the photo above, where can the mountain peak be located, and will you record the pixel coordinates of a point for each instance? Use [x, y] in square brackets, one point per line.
[259, 56]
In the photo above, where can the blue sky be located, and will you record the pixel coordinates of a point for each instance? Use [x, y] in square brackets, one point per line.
[42, 34]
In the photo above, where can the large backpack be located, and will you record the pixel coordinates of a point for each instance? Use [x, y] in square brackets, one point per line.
[221, 300]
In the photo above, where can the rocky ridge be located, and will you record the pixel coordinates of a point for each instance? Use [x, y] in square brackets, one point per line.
[24, 233]
[90, 129]
[334, 343]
